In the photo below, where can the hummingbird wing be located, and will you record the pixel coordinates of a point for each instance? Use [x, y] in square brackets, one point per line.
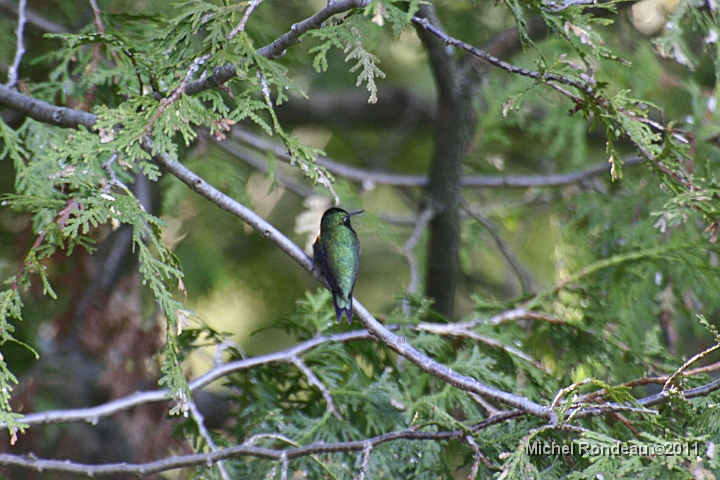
[320, 262]
[319, 266]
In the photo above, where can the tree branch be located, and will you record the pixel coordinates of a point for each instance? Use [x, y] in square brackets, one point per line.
[278, 47]
[69, 118]
[315, 382]
[583, 86]
[421, 224]
[93, 414]
[20, 48]
[397, 344]
[247, 449]
[244, 450]
[45, 112]
[402, 180]
[527, 282]
[200, 422]
[37, 21]
[225, 73]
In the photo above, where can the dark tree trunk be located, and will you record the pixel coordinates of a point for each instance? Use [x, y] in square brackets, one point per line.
[457, 82]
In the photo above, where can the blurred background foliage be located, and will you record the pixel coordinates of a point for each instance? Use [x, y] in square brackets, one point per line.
[636, 316]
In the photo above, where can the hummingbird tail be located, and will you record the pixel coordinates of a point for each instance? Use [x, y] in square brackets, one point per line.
[343, 306]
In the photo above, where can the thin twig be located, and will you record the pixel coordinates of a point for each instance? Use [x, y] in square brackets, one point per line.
[670, 381]
[178, 92]
[20, 48]
[527, 283]
[583, 86]
[555, 7]
[200, 422]
[401, 180]
[365, 462]
[564, 391]
[421, 223]
[513, 315]
[241, 26]
[285, 462]
[485, 405]
[255, 161]
[476, 457]
[113, 180]
[593, 396]
[92, 414]
[278, 47]
[315, 381]
[97, 16]
[458, 330]
[33, 19]
[577, 409]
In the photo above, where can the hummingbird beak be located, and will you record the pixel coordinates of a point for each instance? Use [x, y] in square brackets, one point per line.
[356, 213]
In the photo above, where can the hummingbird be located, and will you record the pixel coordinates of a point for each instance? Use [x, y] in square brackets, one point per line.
[336, 257]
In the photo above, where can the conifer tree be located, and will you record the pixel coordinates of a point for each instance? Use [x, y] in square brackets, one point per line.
[539, 251]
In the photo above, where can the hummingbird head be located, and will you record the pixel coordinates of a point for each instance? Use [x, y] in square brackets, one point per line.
[336, 217]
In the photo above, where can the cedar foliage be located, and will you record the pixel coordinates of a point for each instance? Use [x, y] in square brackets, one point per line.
[622, 254]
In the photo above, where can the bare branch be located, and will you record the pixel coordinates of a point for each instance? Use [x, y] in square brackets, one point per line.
[97, 16]
[278, 47]
[400, 180]
[200, 422]
[421, 224]
[285, 466]
[315, 381]
[37, 21]
[478, 457]
[583, 86]
[669, 383]
[260, 164]
[183, 461]
[526, 280]
[93, 414]
[45, 112]
[20, 48]
[565, 4]
[513, 316]
[477, 454]
[364, 463]
[225, 73]
[113, 180]
[459, 330]
[241, 26]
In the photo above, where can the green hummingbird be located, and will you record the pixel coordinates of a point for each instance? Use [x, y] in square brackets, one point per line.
[336, 257]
